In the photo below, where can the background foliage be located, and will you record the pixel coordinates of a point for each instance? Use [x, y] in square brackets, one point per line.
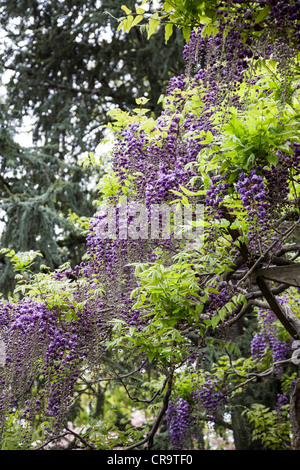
[65, 65]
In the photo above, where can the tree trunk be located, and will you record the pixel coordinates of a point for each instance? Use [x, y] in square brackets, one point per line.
[295, 414]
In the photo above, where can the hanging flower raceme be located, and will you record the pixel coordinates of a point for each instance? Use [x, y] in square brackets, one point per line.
[268, 337]
[42, 359]
[178, 422]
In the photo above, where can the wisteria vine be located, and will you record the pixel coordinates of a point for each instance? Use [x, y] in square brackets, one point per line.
[46, 352]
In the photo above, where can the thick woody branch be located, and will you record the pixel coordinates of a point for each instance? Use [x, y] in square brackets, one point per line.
[295, 414]
[148, 440]
[288, 320]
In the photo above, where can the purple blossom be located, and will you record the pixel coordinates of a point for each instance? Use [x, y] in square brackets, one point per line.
[178, 422]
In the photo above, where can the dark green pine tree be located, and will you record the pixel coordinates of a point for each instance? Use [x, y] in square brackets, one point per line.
[68, 65]
[37, 191]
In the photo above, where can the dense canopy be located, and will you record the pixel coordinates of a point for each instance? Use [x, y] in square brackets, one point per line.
[194, 324]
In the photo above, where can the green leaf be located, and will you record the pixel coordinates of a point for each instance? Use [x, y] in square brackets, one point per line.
[208, 138]
[224, 223]
[152, 27]
[186, 30]
[222, 314]
[214, 321]
[168, 31]
[137, 20]
[272, 158]
[141, 100]
[167, 7]
[129, 22]
[176, 192]
[190, 193]
[127, 11]
[262, 14]
[213, 290]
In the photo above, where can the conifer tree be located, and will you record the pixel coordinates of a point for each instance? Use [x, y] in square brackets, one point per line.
[36, 191]
[68, 64]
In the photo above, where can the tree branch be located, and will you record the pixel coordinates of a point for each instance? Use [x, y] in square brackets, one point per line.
[148, 440]
[80, 438]
[290, 322]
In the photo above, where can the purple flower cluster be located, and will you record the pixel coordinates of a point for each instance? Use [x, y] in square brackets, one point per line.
[280, 176]
[41, 346]
[280, 350]
[221, 294]
[161, 168]
[178, 422]
[258, 345]
[282, 19]
[282, 399]
[216, 193]
[209, 395]
[253, 194]
[263, 192]
[194, 52]
[252, 191]
[267, 337]
[284, 16]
